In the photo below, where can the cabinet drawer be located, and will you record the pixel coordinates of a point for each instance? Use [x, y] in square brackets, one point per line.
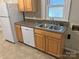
[38, 31]
[54, 35]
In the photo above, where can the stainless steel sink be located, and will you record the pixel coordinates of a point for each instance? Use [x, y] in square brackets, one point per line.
[42, 25]
[51, 27]
[56, 28]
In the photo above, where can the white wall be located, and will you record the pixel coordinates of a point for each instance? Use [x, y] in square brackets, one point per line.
[74, 19]
[43, 9]
[0, 20]
[11, 1]
[74, 15]
[1, 1]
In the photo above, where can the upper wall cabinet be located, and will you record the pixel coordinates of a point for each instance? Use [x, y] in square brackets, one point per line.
[27, 5]
[21, 5]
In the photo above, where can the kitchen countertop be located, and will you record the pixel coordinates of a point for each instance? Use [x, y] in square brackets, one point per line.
[31, 24]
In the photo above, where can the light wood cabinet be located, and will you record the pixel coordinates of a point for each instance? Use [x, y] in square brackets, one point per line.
[51, 42]
[40, 42]
[52, 45]
[39, 39]
[21, 5]
[19, 33]
[27, 5]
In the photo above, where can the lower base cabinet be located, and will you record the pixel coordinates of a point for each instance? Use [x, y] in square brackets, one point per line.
[19, 33]
[40, 42]
[49, 42]
[53, 46]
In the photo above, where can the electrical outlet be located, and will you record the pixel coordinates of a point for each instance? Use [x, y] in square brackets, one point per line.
[69, 36]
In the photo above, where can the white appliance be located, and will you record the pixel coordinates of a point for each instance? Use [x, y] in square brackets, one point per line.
[28, 36]
[8, 16]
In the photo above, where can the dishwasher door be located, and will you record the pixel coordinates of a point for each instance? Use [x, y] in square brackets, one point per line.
[28, 36]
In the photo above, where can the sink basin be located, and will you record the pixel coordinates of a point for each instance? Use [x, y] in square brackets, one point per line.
[42, 25]
[56, 28]
[51, 27]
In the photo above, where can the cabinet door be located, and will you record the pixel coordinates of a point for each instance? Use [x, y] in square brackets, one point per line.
[28, 5]
[40, 42]
[19, 33]
[52, 45]
[21, 5]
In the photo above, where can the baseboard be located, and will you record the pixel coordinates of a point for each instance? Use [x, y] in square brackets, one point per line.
[10, 41]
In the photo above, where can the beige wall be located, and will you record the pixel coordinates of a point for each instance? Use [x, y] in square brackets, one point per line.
[36, 14]
[74, 19]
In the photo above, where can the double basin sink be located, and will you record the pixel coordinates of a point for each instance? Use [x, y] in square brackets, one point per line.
[51, 27]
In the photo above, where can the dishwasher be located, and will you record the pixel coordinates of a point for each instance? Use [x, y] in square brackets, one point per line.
[28, 36]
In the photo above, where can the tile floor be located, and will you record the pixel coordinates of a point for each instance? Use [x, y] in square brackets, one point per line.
[21, 51]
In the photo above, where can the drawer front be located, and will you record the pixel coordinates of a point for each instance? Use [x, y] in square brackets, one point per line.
[54, 35]
[38, 31]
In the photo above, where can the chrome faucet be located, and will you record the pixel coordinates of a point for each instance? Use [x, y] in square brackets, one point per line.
[52, 21]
